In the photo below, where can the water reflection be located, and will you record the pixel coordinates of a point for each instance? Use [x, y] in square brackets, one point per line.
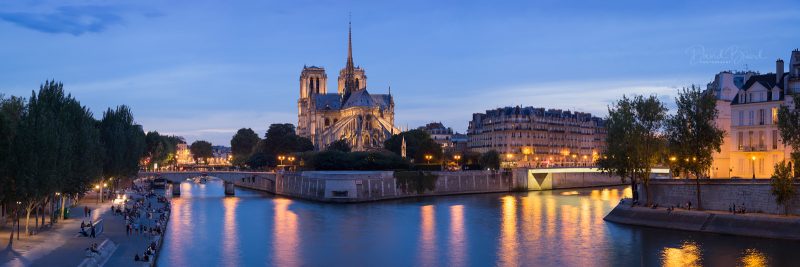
[519, 229]
[427, 238]
[285, 235]
[752, 258]
[230, 240]
[688, 254]
[457, 238]
[508, 236]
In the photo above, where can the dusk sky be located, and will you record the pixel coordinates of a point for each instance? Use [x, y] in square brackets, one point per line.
[203, 69]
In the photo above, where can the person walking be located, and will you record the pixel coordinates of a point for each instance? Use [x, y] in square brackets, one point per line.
[92, 234]
[85, 211]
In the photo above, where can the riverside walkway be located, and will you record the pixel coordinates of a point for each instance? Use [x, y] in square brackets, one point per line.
[63, 246]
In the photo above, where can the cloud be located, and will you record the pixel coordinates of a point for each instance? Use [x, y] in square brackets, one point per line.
[75, 20]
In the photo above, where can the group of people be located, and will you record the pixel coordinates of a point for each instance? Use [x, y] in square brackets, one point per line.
[91, 233]
[94, 249]
[734, 209]
[140, 218]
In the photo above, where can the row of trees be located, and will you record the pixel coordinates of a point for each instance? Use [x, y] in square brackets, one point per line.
[641, 135]
[51, 146]
[161, 149]
[251, 151]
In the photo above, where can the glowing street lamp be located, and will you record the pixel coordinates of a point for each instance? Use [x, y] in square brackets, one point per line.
[428, 158]
[753, 158]
[457, 158]
[281, 158]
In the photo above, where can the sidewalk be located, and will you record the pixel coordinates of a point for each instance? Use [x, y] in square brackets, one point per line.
[58, 243]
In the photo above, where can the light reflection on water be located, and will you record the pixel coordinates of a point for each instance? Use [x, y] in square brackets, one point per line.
[520, 229]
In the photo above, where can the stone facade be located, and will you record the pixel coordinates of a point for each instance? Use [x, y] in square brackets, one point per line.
[352, 114]
[538, 137]
[755, 194]
[748, 115]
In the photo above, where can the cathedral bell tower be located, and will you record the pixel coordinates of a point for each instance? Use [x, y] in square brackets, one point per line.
[351, 77]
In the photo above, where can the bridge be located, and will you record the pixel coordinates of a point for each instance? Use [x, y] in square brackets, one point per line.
[228, 177]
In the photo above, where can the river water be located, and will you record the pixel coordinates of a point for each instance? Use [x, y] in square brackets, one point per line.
[550, 228]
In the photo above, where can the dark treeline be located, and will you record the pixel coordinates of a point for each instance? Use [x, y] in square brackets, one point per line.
[52, 147]
[250, 151]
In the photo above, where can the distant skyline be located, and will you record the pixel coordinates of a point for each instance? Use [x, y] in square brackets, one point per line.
[203, 69]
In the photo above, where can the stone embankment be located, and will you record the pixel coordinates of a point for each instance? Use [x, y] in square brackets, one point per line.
[748, 224]
[360, 186]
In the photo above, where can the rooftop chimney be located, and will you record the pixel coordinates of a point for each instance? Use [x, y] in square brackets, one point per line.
[778, 71]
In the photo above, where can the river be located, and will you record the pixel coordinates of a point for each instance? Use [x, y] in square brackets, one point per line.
[547, 228]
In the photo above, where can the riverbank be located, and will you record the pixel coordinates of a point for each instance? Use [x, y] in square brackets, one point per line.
[62, 245]
[719, 222]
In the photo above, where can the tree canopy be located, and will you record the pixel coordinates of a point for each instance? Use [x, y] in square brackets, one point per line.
[789, 127]
[692, 135]
[339, 145]
[280, 139]
[633, 141]
[201, 150]
[161, 149]
[242, 145]
[418, 144]
[124, 143]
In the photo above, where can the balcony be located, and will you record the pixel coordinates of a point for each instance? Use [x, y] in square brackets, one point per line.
[753, 148]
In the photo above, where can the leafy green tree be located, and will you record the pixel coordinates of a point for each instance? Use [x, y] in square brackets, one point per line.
[339, 145]
[201, 150]
[490, 160]
[280, 139]
[11, 110]
[418, 144]
[57, 149]
[633, 142]
[692, 135]
[124, 143]
[789, 127]
[161, 149]
[242, 145]
[782, 185]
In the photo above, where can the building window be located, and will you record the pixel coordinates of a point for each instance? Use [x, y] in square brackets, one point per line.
[761, 116]
[751, 117]
[741, 118]
[774, 139]
[774, 115]
[761, 140]
[750, 139]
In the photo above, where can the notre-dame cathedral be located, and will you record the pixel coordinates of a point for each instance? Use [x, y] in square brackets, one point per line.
[352, 114]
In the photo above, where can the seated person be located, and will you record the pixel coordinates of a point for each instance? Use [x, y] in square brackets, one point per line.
[83, 231]
[94, 248]
[136, 257]
[146, 258]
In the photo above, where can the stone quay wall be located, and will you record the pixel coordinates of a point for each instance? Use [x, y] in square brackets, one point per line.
[720, 194]
[360, 186]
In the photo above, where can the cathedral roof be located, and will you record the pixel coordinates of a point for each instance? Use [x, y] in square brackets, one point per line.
[384, 100]
[328, 101]
[359, 98]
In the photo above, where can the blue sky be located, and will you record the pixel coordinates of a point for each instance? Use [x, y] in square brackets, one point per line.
[203, 69]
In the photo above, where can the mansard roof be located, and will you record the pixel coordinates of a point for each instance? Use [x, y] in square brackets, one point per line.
[328, 101]
[767, 81]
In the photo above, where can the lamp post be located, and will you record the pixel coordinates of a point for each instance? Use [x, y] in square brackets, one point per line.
[753, 158]
[527, 151]
[98, 190]
[291, 162]
[428, 158]
[281, 158]
[457, 158]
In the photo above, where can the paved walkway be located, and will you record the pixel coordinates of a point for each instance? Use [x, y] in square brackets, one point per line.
[33, 250]
[62, 246]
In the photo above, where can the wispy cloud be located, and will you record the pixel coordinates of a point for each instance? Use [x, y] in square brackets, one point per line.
[74, 19]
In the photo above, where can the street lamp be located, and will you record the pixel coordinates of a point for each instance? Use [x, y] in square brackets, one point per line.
[428, 158]
[281, 158]
[753, 158]
[457, 158]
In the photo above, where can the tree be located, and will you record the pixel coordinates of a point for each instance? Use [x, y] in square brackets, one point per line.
[789, 127]
[124, 143]
[418, 144]
[242, 145]
[339, 145]
[633, 142]
[161, 149]
[201, 150]
[280, 139]
[57, 149]
[490, 160]
[692, 135]
[782, 185]
[11, 110]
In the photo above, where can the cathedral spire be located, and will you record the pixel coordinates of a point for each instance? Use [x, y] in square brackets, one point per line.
[350, 84]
